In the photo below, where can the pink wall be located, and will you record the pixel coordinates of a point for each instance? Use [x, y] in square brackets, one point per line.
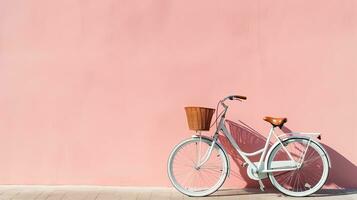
[92, 92]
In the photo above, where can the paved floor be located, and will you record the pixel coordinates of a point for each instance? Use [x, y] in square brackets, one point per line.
[128, 193]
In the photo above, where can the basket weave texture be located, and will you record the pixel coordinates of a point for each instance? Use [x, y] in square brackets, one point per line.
[199, 118]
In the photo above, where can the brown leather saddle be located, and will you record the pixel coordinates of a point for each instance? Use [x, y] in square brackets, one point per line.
[276, 121]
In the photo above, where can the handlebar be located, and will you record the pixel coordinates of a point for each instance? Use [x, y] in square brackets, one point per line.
[231, 97]
[223, 113]
[235, 97]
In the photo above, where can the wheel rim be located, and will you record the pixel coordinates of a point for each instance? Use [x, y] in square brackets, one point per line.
[189, 179]
[306, 180]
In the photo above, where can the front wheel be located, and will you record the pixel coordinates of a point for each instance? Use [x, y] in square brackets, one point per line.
[309, 177]
[195, 181]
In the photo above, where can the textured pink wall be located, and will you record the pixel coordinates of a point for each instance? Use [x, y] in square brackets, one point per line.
[92, 92]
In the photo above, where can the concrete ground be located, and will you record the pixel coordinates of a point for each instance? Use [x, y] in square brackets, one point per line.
[127, 193]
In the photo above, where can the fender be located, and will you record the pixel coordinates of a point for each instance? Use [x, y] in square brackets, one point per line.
[292, 137]
[218, 144]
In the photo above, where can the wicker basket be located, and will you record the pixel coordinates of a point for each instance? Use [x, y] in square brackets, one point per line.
[199, 118]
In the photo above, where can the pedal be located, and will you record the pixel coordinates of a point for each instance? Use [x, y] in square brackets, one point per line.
[262, 187]
[244, 164]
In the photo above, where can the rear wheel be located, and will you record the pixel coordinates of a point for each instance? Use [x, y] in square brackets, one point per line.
[307, 179]
[195, 181]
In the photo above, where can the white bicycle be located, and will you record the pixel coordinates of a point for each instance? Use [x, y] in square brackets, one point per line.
[296, 164]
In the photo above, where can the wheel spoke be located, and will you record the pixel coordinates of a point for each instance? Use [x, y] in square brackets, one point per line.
[197, 181]
[311, 161]
[306, 179]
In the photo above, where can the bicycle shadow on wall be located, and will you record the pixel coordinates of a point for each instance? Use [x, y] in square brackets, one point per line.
[250, 140]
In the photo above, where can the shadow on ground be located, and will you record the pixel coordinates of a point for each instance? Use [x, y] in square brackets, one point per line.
[250, 191]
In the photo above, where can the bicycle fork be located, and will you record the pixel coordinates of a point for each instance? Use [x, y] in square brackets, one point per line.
[208, 153]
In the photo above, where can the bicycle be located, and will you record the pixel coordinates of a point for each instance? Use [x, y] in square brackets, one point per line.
[296, 164]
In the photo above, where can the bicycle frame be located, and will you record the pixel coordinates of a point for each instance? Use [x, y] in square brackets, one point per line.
[258, 167]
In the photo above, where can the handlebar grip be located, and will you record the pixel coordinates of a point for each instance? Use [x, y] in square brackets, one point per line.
[237, 97]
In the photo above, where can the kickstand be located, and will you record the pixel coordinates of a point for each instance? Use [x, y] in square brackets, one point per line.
[261, 185]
